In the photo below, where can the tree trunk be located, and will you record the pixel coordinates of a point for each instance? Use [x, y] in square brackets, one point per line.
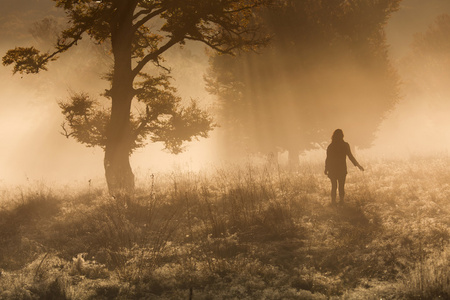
[118, 173]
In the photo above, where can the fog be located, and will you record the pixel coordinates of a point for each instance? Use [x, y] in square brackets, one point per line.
[418, 124]
[33, 149]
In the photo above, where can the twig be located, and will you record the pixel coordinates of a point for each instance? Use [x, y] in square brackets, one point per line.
[40, 264]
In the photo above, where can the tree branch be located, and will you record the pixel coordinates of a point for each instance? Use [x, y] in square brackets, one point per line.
[215, 47]
[154, 55]
[65, 132]
[143, 124]
[147, 17]
[141, 12]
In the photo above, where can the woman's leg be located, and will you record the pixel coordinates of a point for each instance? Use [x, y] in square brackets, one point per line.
[341, 188]
[333, 189]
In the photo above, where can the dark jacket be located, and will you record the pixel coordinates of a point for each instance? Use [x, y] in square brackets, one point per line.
[336, 162]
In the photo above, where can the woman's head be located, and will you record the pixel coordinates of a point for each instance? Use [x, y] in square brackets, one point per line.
[338, 135]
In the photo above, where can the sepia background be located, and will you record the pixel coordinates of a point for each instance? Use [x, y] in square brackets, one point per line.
[231, 218]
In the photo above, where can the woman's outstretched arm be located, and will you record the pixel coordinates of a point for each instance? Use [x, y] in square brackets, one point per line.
[353, 159]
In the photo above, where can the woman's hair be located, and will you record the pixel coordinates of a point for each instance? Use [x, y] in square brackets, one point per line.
[338, 135]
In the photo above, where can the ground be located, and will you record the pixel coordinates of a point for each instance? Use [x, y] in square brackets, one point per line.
[255, 231]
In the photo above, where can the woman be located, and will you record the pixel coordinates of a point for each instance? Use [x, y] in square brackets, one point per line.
[336, 164]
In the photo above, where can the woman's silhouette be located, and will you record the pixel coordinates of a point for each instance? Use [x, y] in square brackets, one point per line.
[336, 164]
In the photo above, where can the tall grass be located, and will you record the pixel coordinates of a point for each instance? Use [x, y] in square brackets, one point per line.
[252, 232]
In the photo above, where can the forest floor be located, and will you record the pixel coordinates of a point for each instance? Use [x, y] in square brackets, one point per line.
[243, 232]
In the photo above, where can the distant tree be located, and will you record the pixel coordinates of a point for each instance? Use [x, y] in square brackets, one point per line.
[326, 68]
[428, 63]
[426, 73]
[45, 30]
[139, 32]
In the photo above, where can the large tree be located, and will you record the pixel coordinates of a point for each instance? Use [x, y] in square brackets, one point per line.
[328, 67]
[138, 32]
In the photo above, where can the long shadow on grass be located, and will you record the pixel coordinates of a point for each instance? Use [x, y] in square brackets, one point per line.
[342, 235]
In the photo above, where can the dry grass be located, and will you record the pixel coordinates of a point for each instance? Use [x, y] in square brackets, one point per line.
[254, 232]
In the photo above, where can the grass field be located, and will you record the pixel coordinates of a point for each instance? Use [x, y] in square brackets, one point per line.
[254, 231]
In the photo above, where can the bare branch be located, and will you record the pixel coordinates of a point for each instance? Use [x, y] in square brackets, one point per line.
[147, 17]
[141, 12]
[159, 65]
[154, 55]
[65, 132]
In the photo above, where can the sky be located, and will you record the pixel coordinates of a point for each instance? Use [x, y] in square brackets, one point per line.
[32, 148]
